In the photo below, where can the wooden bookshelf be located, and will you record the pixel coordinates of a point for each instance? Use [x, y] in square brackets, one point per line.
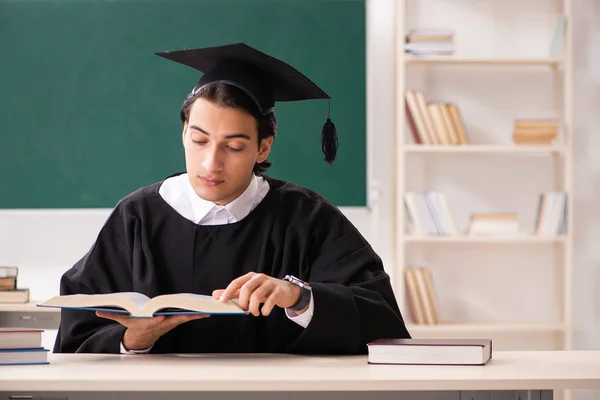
[484, 239]
[558, 72]
[486, 149]
[514, 327]
[481, 61]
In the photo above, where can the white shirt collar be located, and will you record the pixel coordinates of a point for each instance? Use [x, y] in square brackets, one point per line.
[238, 208]
[178, 192]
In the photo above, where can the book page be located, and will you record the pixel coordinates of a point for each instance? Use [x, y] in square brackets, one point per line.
[137, 298]
[129, 301]
[194, 303]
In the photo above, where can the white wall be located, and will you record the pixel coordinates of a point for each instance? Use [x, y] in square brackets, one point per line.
[586, 39]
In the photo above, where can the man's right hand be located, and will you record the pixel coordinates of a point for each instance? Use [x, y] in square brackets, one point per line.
[142, 333]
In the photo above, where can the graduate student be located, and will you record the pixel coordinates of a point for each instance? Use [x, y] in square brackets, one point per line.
[224, 228]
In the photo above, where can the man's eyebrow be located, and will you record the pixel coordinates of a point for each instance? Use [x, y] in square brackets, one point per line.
[232, 136]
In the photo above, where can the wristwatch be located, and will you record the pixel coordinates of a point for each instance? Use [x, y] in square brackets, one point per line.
[304, 299]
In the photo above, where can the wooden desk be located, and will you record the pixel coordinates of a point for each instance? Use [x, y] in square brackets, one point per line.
[542, 372]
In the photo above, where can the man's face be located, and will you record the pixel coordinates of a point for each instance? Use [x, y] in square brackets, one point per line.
[221, 148]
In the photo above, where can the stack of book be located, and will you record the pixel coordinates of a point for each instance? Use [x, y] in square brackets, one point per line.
[551, 214]
[9, 293]
[420, 296]
[433, 123]
[493, 224]
[428, 214]
[22, 346]
[430, 42]
[535, 131]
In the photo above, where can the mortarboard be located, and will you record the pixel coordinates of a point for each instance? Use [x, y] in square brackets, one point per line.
[264, 78]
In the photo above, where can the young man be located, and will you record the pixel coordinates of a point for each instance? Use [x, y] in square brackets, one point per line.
[311, 282]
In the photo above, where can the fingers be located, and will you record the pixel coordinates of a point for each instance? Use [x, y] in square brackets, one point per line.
[270, 302]
[217, 293]
[181, 319]
[249, 287]
[258, 296]
[118, 317]
[234, 286]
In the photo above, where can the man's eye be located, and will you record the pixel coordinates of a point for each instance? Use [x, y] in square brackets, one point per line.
[234, 148]
[199, 141]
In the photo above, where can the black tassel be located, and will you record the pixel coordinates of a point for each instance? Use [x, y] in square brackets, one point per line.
[329, 140]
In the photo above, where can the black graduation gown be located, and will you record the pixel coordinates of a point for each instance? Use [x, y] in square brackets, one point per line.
[146, 246]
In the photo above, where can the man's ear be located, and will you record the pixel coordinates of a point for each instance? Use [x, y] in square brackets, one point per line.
[185, 124]
[265, 149]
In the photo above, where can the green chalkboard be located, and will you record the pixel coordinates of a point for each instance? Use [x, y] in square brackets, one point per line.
[88, 113]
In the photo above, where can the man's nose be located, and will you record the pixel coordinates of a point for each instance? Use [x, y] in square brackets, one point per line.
[213, 161]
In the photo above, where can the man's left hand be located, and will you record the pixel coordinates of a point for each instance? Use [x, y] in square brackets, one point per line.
[253, 289]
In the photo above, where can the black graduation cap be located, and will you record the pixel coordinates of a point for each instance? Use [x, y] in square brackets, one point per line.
[264, 78]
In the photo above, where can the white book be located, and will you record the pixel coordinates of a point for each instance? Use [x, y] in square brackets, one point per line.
[430, 351]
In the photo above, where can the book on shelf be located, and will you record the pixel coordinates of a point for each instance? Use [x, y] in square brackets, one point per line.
[494, 224]
[535, 131]
[138, 305]
[551, 217]
[433, 123]
[471, 352]
[429, 42]
[420, 295]
[21, 346]
[428, 214]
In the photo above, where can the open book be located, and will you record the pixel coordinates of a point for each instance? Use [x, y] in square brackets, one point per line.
[141, 306]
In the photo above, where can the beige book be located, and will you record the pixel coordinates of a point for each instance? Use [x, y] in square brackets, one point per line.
[454, 139]
[422, 103]
[494, 224]
[457, 121]
[438, 123]
[431, 294]
[413, 297]
[425, 296]
[138, 305]
[431, 38]
[502, 216]
[534, 134]
[535, 131]
[536, 123]
[14, 296]
[534, 142]
[413, 108]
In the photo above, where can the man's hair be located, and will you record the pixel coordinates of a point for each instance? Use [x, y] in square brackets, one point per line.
[231, 96]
